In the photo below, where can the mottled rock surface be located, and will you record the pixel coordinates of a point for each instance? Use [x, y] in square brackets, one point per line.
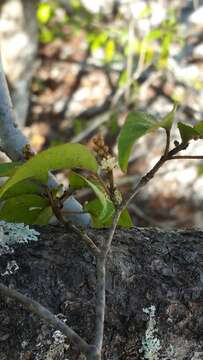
[146, 267]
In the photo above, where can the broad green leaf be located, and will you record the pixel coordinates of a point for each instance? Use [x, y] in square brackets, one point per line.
[25, 209]
[137, 124]
[94, 208]
[187, 132]
[76, 181]
[8, 169]
[58, 157]
[27, 186]
[167, 121]
[44, 216]
[107, 207]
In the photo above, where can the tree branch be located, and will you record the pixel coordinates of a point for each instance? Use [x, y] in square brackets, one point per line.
[35, 308]
[100, 301]
[88, 241]
[168, 155]
[12, 141]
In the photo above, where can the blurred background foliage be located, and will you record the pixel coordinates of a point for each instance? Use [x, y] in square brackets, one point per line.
[96, 60]
[110, 40]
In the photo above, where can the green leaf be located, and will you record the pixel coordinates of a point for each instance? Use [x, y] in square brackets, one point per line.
[76, 181]
[94, 208]
[107, 207]
[123, 79]
[58, 157]
[187, 132]
[199, 128]
[46, 35]
[44, 216]
[44, 13]
[125, 219]
[25, 209]
[153, 35]
[8, 169]
[167, 121]
[137, 124]
[28, 186]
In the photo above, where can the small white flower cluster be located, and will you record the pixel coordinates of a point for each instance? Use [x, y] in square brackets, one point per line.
[150, 342]
[117, 196]
[11, 233]
[109, 163]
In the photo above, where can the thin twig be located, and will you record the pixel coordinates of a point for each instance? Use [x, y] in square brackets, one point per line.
[168, 132]
[143, 181]
[100, 301]
[67, 212]
[112, 230]
[195, 157]
[88, 241]
[68, 225]
[101, 286]
[146, 178]
[36, 308]
[101, 260]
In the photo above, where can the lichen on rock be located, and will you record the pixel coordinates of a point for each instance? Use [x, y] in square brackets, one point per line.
[12, 233]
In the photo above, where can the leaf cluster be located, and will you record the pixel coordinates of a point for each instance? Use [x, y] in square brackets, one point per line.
[28, 196]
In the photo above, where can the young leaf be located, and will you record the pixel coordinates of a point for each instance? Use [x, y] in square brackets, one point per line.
[8, 169]
[125, 219]
[107, 207]
[137, 124]
[94, 208]
[58, 157]
[167, 121]
[187, 132]
[23, 209]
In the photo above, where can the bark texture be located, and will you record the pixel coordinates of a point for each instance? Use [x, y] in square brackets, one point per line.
[19, 42]
[145, 267]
